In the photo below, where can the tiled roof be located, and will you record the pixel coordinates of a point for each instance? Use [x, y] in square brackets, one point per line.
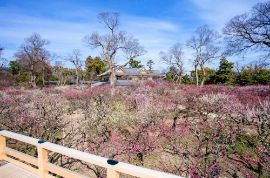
[132, 71]
[154, 72]
[105, 73]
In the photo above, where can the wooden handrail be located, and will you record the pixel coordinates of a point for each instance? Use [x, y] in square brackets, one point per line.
[113, 170]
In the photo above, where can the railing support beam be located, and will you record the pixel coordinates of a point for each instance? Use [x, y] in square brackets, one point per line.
[2, 147]
[42, 162]
[112, 173]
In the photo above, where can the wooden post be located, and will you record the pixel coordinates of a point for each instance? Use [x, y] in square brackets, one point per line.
[2, 146]
[112, 173]
[42, 162]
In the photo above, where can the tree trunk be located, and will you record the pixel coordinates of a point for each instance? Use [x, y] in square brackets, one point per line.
[43, 77]
[112, 77]
[180, 78]
[32, 80]
[203, 78]
[112, 69]
[32, 77]
[77, 76]
[197, 77]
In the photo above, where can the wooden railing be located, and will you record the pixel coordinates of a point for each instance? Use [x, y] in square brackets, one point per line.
[114, 168]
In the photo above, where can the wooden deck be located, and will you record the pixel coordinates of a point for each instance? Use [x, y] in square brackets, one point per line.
[8, 170]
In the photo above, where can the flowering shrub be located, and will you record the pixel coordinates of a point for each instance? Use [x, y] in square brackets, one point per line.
[140, 98]
[35, 114]
[184, 130]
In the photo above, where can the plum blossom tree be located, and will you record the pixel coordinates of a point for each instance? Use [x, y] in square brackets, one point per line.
[184, 130]
[37, 114]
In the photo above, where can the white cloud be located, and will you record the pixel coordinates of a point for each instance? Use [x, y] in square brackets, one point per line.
[66, 29]
[218, 12]
[155, 35]
[64, 36]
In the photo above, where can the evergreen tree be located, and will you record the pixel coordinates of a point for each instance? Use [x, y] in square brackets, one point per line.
[14, 67]
[212, 77]
[169, 77]
[261, 76]
[208, 73]
[254, 75]
[186, 79]
[224, 73]
[135, 64]
[150, 64]
[245, 77]
[94, 67]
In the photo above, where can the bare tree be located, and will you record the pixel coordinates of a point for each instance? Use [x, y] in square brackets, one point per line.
[58, 72]
[32, 53]
[2, 60]
[74, 58]
[203, 45]
[239, 67]
[249, 31]
[1, 52]
[174, 58]
[112, 42]
[133, 49]
[174, 71]
[5, 77]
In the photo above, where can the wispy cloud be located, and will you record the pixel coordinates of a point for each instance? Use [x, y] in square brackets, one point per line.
[65, 24]
[153, 34]
[217, 13]
[64, 36]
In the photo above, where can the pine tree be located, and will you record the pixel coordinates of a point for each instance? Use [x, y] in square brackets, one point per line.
[224, 73]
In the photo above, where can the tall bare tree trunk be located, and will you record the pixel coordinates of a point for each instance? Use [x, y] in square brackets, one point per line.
[112, 77]
[77, 76]
[43, 77]
[196, 75]
[180, 78]
[32, 77]
[203, 78]
[112, 69]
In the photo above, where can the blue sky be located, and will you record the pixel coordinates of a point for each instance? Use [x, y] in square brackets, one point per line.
[158, 24]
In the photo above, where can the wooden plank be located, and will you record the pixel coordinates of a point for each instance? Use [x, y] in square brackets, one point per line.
[63, 172]
[22, 156]
[10, 170]
[22, 165]
[2, 146]
[17, 173]
[112, 173]
[42, 162]
[7, 169]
